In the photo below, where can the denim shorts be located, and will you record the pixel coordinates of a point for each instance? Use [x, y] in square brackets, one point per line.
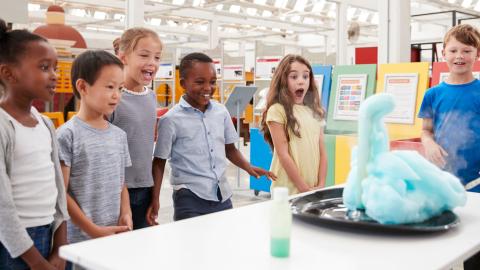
[42, 240]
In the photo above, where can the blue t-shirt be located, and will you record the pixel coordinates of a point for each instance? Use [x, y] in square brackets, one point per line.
[455, 113]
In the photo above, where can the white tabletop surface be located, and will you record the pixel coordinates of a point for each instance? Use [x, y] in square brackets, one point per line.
[239, 239]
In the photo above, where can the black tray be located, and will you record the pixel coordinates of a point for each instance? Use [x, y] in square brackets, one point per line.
[325, 207]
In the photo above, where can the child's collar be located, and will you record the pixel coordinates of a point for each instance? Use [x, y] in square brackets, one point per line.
[184, 104]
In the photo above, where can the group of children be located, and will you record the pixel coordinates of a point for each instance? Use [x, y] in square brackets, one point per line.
[97, 168]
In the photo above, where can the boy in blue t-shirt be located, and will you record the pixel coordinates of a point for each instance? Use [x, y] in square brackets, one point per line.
[197, 137]
[451, 110]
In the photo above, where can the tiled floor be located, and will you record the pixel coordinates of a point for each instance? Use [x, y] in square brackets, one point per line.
[242, 195]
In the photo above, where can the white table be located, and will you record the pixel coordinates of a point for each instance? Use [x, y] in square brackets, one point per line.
[239, 239]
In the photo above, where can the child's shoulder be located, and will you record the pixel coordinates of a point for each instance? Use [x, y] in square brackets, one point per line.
[276, 108]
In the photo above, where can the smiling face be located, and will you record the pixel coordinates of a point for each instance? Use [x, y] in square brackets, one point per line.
[199, 84]
[104, 94]
[460, 57]
[141, 64]
[35, 72]
[298, 82]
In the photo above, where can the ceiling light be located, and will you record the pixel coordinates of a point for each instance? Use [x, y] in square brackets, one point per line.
[477, 6]
[234, 9]
[350, 12]
[260, 2]
[100, 15]
[318, 6]
[266, 13]
[178, 2]
[33, 7]
[363, 16]
[300, 5]
[295, 18]
[466, 3]
[119, 17]
[374, 19]
[280, 3]
[308, 20]
[219, 7]
[78, 12]
[155, 21]
[252, 11]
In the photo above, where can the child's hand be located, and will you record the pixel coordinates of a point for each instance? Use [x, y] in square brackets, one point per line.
[257, 172]
[126, 220]
[55, 260]
[152, 212]
[43, 265]
[102, 231]
[435, 153]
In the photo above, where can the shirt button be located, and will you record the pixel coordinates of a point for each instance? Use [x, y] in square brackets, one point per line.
[211, 150]
[208, 133]
[214, 166]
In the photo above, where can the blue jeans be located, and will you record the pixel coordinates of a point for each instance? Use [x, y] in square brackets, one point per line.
[42, 240]
[186, 204]
[140, 199]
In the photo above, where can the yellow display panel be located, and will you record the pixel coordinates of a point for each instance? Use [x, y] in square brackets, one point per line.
[64, 83]
[56, 117]
[343, 151]
[406, 131]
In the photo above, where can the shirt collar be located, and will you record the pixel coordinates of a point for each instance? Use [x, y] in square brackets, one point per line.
[184, 104]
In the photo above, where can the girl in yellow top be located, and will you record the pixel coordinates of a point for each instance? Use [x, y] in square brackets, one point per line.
[292, 124]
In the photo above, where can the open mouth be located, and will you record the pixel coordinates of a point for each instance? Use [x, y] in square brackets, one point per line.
[147, 75]
[299, 93]
[459, 63]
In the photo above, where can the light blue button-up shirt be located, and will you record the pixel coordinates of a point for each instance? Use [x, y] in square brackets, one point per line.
[194, 142]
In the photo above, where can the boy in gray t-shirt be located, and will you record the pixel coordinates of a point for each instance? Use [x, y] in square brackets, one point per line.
[94, 153]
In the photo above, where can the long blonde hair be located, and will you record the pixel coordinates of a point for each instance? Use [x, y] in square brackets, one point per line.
[278, 93]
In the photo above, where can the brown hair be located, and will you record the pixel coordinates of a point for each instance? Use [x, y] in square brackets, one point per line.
[464, 33]
[278, 93]
[130, 38]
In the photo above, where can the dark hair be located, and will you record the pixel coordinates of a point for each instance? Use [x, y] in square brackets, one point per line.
[187, 62]
[13, 44]
[278, 93]
[87, 66]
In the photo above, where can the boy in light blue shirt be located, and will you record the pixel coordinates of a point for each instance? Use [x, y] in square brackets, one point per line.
[197, 136]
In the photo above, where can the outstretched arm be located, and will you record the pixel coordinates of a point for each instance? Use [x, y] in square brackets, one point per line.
[237, 158]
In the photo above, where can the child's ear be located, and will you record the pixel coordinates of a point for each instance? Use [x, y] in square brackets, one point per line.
[443, 54]
[182, 83]
[123, 57]
[6, 74]
[81, 86]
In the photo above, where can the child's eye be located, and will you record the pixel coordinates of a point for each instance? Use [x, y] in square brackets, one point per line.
[157, 58]
[110, 87]
[306, 77]
[294, 77]
[44, 67]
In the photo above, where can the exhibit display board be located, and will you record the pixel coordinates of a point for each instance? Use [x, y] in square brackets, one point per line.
[408, 83]
[440, 72]
[350, 86]
[323, 78]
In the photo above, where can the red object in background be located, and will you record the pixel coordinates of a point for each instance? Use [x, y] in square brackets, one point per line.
[369, 55]
[366, 55]
[411, 144]
[40, 105]
[161, 111]
[440, 67]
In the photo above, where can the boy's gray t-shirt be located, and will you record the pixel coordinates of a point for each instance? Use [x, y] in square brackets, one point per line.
[97, 160]
[137, 116]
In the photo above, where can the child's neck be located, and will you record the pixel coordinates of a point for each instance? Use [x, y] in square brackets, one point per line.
[132, 85]
[91, 117]
[460, 78]
[19, 108]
